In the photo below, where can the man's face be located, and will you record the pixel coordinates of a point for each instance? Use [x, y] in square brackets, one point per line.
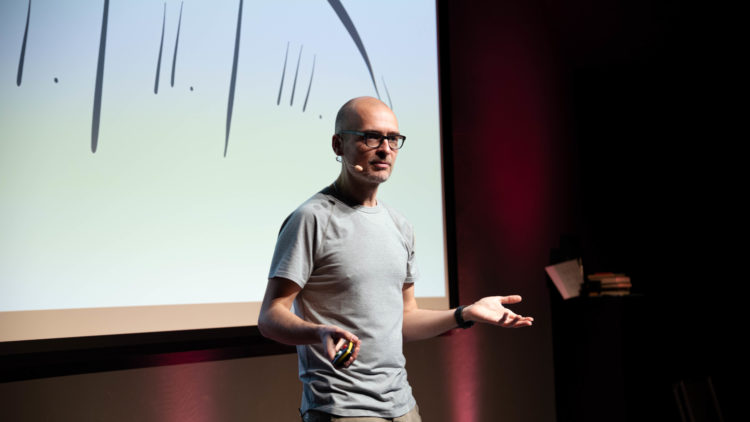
[377, 163]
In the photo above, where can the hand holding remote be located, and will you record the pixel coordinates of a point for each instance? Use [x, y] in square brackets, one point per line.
[341, 346]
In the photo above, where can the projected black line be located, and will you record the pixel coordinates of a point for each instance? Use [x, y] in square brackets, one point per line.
[349, 25]
[161, 47]
[19, 76]
[296, 72]
[283, 72]
[387, 94]
[234, 78]
[99, 79]
[307, 96]
[176, 41]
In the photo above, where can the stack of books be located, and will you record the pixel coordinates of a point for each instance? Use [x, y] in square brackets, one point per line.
[606, 284]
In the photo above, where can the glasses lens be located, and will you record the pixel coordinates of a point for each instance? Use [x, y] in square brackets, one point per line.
[372, 139]
[396, 141]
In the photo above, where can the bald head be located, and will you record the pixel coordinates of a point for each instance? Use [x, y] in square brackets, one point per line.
[352, 114]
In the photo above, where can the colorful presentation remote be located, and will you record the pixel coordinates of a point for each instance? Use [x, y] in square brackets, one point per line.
[343, 354]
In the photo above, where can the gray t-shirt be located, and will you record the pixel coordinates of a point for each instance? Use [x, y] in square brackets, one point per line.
[352, 263]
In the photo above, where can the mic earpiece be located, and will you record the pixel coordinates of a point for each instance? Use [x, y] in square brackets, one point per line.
[358, 168]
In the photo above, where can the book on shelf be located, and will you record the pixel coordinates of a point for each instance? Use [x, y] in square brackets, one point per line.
[606, 284]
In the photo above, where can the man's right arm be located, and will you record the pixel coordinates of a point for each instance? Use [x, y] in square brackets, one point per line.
[278, 322]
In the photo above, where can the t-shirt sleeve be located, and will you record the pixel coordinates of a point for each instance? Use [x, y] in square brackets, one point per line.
[412, 270]
[294, 254]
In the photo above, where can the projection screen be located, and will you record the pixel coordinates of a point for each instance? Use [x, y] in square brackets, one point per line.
[150, 151]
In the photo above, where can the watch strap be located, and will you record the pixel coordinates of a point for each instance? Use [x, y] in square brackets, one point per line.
[460, 319]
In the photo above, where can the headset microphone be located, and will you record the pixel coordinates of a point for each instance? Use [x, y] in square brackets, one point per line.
[357, 167]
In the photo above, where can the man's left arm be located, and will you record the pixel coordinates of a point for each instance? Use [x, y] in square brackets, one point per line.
[420, 324]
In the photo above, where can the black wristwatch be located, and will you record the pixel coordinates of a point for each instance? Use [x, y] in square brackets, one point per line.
[460, 319]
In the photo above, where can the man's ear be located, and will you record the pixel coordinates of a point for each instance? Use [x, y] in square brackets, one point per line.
[336, 144]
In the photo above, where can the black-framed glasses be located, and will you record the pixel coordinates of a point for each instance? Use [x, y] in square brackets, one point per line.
[375, 139]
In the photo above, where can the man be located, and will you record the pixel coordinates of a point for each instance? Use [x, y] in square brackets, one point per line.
[346, 262]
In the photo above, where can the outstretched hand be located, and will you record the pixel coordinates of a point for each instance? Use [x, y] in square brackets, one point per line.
[491, 310]
[335, 338]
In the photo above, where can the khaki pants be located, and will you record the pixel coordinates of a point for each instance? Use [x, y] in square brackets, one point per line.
[315, 416]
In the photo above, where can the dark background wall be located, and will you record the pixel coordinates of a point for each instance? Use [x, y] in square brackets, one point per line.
[603, 120]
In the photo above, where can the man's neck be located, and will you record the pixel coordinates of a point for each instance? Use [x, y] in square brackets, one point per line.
[355, 192]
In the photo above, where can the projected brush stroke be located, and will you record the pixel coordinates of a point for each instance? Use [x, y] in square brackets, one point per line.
[283, 73]
[387, 94]
[99, 79]
[296, 72]
[176, 42]
[296, 77]
[349, 25]
[161, 47]
[19, 76]
[233, 81]
[307, 96]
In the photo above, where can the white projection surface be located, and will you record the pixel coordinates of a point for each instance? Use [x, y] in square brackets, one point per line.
[150, 150]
